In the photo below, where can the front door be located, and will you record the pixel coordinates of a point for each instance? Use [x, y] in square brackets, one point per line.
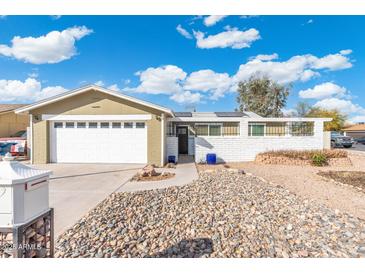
[182, 134]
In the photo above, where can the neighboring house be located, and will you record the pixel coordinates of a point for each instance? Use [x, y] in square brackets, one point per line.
[96, 125]
[355, 131]
[10, 122]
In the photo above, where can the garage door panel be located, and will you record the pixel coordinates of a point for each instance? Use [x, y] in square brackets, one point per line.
[98, 145]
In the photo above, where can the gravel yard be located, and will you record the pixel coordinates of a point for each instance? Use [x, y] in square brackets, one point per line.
[222, 214]
[305, 182]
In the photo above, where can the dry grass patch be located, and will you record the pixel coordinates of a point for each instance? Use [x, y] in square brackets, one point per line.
[352, 178]
[303, 157]
[306, 154]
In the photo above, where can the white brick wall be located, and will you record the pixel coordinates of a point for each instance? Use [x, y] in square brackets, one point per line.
[172, 147]
[245, 148]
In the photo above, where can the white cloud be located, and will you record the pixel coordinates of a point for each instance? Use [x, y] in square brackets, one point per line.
[49, 91]
[100, 83]
[308, 74]
[184, 32]
[209, 81]
[186, 97]
[248, 16]
[51, 48]
[27, 91]
[265, 57]
[324, 90]
[357, 119]
[300, 67]
[213, 19]
[232, 38]
[33, 74]
[114, 87]
[174, 81]
[346, 51]
[161, 80]
[332, 62]
[345, 106]
[56, 17]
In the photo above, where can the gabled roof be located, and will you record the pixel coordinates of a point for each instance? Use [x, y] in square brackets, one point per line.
[10, 107]
[358, 127]
[74, 92]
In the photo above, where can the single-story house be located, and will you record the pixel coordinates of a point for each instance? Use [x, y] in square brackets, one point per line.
[355, 131]
[10, 122]
[93, 124]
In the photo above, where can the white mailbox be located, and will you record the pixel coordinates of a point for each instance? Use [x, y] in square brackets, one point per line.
[23, 192]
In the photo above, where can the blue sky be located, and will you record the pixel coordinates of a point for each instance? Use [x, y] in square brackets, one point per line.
[184, 61]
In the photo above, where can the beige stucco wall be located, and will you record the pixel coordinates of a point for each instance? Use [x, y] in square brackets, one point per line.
[95, 103]
[11, 123]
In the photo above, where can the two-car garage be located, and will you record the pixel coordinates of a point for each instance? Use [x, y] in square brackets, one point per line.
[98, 142]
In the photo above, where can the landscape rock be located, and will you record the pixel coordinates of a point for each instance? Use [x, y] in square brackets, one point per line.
[222, 214]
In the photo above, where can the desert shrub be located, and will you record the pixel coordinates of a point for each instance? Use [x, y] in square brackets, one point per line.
[319, 159]
[307, 154]
[335, 153]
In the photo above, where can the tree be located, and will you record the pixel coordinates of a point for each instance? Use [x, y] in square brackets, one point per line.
[262, 96]
[338, 118]
[302, 109]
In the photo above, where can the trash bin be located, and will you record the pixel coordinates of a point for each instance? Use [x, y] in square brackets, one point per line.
[211, 158]
[171, 159]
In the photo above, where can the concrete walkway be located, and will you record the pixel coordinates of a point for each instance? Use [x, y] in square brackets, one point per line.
[185, 173]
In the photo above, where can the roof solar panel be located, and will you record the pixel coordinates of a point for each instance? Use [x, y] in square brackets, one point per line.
[230, 114]
[183, 114]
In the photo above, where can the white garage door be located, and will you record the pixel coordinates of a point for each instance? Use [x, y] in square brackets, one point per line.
[98, 142]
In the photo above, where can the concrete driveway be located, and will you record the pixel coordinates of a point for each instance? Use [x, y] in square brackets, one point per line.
[358, 147]
[75, 189]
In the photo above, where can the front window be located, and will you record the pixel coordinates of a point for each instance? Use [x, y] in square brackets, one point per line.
[256, 129]
[202, 130]
[275, 129]
[170, 129]
[140, 125]
[281, 129]
[301, 128]
[215, 130]
[230, 129]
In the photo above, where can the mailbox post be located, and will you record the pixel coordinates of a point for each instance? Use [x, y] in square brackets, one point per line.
[26, 220]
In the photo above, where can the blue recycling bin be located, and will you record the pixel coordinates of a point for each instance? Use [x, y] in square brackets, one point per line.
[211, 158]
[171, 159]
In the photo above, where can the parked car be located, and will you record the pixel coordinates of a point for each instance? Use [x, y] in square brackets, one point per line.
[338, 140]
[360, 140]
[16, 144]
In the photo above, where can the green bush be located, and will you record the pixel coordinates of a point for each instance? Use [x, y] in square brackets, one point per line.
[319, 159]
